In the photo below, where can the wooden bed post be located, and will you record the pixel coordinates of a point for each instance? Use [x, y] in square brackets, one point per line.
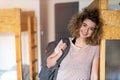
[30, 49]
[18, 56]
[102, 60]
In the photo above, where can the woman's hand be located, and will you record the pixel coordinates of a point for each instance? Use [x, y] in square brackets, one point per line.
[51, 60]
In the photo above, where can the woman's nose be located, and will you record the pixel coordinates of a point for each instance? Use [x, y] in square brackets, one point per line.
[86, 30]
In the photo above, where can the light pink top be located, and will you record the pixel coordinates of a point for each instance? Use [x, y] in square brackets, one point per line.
[77, 64]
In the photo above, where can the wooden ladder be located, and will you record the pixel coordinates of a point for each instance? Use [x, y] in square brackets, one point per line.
[33, 54]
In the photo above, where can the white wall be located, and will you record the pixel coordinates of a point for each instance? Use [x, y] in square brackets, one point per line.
[114, 4]
[84, 3]
[7, 40]
[7, 52]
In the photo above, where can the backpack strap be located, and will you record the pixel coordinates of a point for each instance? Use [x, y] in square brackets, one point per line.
[65, 51]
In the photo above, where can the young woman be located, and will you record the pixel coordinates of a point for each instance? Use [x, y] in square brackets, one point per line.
[82, 60]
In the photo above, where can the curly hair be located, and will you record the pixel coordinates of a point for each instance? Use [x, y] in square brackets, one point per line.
[77, 20]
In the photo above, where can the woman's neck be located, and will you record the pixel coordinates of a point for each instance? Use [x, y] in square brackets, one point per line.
[80, 42]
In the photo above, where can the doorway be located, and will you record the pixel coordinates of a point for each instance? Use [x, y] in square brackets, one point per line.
[63, 14]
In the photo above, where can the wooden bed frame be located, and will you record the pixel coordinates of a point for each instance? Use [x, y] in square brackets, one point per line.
[16, 21]
[111, 30]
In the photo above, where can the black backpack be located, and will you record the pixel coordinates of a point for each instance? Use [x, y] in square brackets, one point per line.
[51, 73]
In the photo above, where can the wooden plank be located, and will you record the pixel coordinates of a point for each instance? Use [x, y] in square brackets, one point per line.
[111, 32]
[102, 60]
[103, 4]
[18, 56]
[110, 17]
[30, 49]
[8, 28]
[10, 17]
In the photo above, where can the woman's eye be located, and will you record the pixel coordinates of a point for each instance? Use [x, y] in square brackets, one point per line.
[92, 29]
[84, 25]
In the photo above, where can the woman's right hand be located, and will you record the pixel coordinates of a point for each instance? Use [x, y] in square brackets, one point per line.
[51, 60]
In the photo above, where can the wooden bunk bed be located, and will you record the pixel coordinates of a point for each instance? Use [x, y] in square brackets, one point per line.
[111, 31]
[16, 21]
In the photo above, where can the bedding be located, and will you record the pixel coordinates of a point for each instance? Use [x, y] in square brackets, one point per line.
[1, 72]
[9, 75]
[12, 73]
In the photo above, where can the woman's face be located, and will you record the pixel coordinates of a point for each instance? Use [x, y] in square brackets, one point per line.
[87, 28]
